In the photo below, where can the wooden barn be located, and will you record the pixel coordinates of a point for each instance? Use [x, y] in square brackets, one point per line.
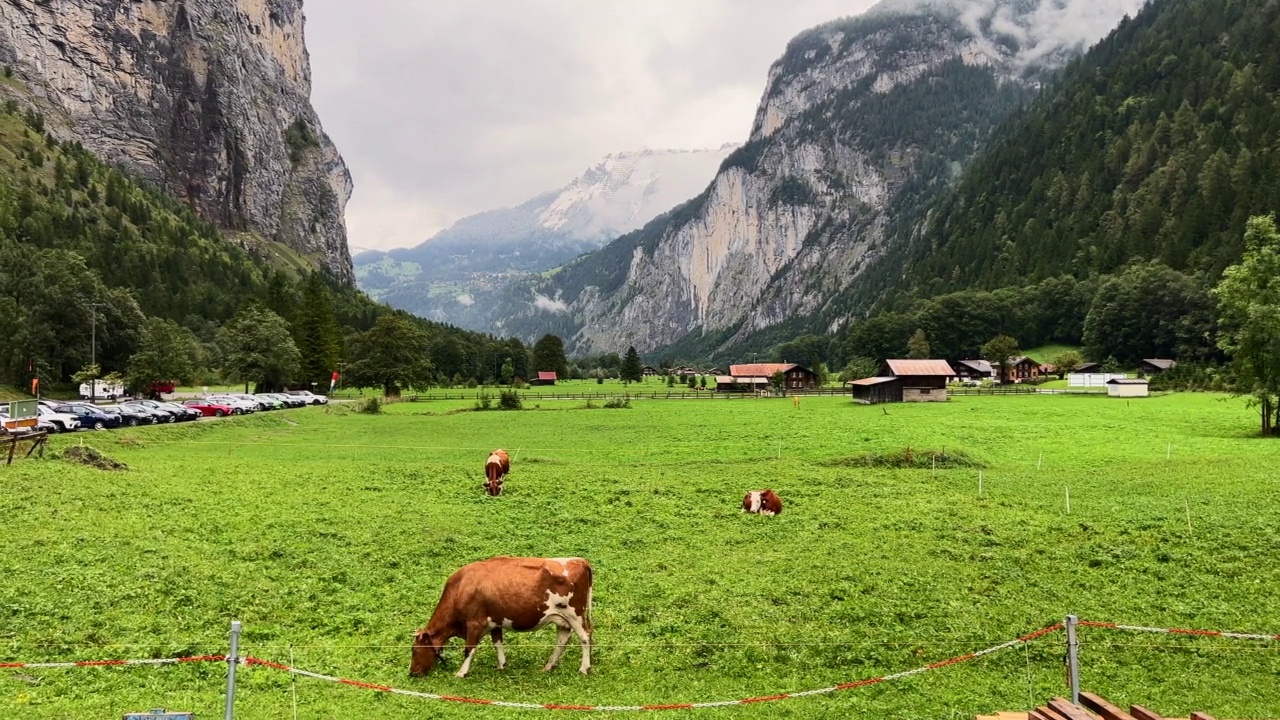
[544, 378]
[906, 381]
[734, 384]
[1155, 366]
[1021, 369]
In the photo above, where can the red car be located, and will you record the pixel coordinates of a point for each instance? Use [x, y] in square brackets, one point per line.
[211, 409]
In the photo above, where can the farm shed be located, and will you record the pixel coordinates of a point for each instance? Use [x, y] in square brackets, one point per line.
[1155, 366]
[544, 378]
[1128, 387]
[1089, 367]
[915, 380]
[876, 390]
[795, 377]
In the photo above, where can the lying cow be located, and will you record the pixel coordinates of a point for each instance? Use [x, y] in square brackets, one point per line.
[762, 502]
[508, 593]
[495, 468]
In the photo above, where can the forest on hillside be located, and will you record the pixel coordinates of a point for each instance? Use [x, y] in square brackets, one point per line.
[97, 265]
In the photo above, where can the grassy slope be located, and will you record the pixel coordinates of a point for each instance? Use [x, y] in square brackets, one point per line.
[335, 534]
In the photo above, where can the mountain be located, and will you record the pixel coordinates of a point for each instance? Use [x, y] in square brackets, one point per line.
[454, 276]
[208, 100]
[1158, 144]
[863, 122]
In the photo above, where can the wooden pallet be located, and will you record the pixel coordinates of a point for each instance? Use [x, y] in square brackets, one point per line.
[1092, 707]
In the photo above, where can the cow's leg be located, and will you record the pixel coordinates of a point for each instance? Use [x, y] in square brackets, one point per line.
[562, 639]
[496, 635]
[475, 633]
[584, 637]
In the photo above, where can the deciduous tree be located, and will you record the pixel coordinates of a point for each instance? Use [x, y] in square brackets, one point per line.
[391, 355]
[167, 351]
[257, 348]
[918, 345]
[999, 350]
[1249, 305]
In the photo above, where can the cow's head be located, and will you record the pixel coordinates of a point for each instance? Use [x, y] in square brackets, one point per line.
[425, 654]
[493, 486]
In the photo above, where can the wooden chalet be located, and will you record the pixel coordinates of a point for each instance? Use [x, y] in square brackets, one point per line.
[973, 370]
[905, 381]
[795, 377]
[1088, 367]
[1091, 707]
[544, 378]
[1155, 366]
[1021, 369]
[649, 371]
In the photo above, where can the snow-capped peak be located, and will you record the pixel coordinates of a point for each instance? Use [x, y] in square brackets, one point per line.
[626, 190]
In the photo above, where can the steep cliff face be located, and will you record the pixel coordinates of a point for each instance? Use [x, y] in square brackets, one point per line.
[862, 122]
[209, 100]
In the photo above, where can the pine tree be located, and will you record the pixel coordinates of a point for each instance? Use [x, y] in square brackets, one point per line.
[918, 346]
[631, 370]
[316, 332]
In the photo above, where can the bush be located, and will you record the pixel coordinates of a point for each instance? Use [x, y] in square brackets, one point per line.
[370, 406]
[471, 384]
[908, 457]
[599, 379]
[618, 404]
[484, 401]
[8, 71]
[510, 400]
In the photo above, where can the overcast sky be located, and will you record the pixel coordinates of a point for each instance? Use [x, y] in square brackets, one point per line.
[444, 108]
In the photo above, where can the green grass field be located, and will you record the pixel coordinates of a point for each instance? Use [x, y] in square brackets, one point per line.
[329, 534]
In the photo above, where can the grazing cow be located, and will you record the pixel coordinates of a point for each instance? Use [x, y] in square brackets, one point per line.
[508, 593]
[762, 502]
[495, 468]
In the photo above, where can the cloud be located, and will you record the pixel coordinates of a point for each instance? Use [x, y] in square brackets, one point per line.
[451, 107]
[465, 300]
[542, 302]
[447, 108]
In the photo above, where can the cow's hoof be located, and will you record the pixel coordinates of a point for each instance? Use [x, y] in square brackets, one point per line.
[583, 670]
[548, 668]
[460, 674]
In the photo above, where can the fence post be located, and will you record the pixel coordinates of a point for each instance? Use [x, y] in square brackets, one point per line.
[1073, 659]
[233, 659]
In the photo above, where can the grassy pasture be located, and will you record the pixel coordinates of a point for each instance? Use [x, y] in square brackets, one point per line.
[330, 534]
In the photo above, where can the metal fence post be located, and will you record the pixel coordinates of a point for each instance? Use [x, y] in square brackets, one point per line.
[1073, 659]
[233, 659]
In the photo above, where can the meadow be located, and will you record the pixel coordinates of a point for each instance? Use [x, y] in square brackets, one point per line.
[330, 533]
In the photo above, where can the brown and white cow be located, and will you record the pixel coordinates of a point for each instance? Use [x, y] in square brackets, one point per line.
[762, 502]
[509, 593]
[495, 468]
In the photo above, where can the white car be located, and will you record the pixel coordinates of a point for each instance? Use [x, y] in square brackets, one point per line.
[310, 397]
[244, 406]
[62, 422]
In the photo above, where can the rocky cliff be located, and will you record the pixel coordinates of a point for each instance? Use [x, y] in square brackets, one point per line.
[209, 100]
[453, 276]
[863, 121]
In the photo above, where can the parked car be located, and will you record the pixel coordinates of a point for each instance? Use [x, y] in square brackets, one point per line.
[62, 422]
[244, 406]
[153, 408]
[292, 401]
[185, 414]
[90, 416]
[130, 415]
[310, 397]
[210, 408]
[270, 402]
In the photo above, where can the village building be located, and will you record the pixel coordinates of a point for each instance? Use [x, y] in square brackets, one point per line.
[794, 377]
[1128, 388]
[733, 384]
[1021, 369]
[649, 371]
[1155, 366]
[973, 370]
[1088, 367]
[905, 381]
[544, 378]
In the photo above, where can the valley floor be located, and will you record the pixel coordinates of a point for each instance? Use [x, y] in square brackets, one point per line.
[330, 533]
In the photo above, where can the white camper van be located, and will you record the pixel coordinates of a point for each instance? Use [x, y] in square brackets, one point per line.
[101, 390]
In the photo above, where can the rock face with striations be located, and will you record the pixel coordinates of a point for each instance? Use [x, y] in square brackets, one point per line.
[862, 123]
[210, 100]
